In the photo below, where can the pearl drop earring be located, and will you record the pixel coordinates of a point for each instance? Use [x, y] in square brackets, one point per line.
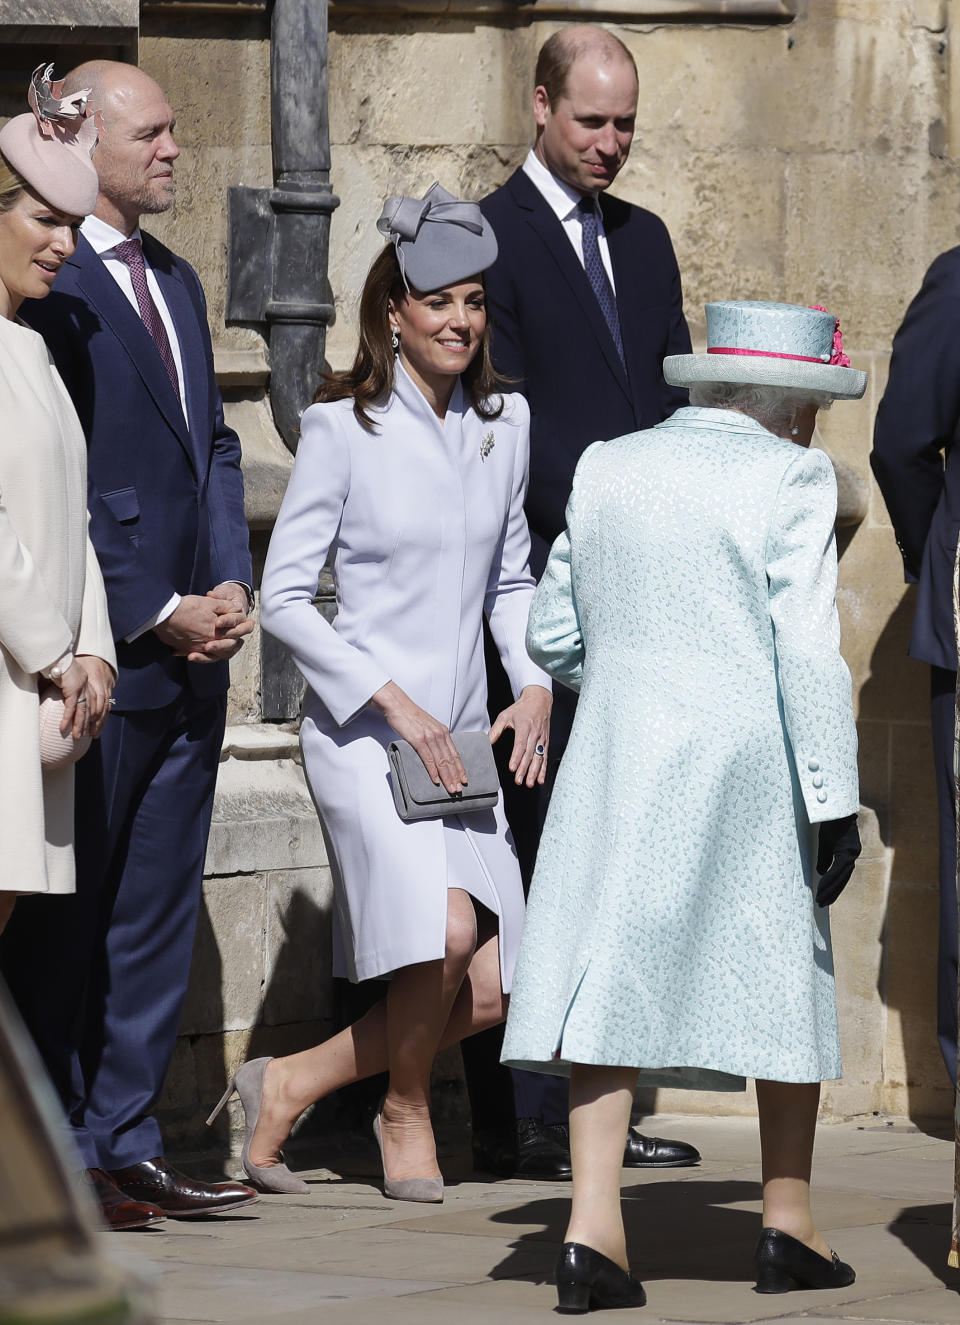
[394, 339]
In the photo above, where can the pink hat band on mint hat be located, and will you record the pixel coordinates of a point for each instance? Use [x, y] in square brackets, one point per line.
[50, 145]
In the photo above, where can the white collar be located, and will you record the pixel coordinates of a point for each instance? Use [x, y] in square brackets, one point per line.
[102, 237]
[559, 196]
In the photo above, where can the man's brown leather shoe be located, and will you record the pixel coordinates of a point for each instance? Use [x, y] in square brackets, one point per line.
[118, 1211]
[175, 1194]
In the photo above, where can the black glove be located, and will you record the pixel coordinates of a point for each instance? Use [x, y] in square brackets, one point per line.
[836, 856]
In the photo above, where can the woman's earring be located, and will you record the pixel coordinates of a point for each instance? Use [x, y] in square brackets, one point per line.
[794, 432]
[395, 339]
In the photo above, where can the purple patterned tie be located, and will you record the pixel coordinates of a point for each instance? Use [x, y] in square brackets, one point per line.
[597, 272]
[131, 253]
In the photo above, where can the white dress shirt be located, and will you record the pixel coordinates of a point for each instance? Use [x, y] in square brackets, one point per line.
[564, 201]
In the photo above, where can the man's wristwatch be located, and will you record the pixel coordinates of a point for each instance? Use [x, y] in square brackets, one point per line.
[55, 673]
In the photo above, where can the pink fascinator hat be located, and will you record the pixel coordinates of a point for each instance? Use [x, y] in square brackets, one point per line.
[51, 144]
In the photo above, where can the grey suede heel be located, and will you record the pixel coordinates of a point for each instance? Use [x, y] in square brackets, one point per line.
[247, 1083]
[407, 1189]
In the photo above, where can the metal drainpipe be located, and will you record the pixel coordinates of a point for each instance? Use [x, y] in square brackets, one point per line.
[280, 237]
[301, 309]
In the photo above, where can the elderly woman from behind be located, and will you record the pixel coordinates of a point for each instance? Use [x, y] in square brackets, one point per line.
[54, 628]
[676, 923]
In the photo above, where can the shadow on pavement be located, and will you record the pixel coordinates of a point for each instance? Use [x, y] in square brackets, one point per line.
[925, 1231]
[675, 1230]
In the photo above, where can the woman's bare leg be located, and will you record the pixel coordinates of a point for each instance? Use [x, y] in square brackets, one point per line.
[788, 1121]
[600, 1103]
[293, 1083]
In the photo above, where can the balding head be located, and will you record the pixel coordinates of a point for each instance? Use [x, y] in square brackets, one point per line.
[136, 151]
[583, 41]
[585, 106]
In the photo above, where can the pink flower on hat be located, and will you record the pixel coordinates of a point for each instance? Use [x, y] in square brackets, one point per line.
[837, 359]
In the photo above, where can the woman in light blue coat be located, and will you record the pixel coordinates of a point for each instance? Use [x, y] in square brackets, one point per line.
[412, 472]
[675, 924]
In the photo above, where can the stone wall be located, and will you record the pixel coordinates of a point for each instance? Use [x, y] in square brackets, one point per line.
[808, 161]
[806, 158]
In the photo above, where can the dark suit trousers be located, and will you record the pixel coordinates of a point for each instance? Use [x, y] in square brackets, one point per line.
[943, 685]
[100, 977]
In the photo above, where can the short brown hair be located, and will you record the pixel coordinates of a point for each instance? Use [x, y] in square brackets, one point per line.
[559, 54]
[369, 380]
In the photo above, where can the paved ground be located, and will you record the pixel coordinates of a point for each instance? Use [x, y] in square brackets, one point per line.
[344, 1254]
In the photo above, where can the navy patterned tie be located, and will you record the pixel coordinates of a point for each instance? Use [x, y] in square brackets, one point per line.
[597, 273]
[130, 252]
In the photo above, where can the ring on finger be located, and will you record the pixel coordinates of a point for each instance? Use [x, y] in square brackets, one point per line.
[539, 749]
[82, 700]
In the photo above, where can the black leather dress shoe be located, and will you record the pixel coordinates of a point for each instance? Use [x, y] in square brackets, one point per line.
[540, 1153]
[587, 1280]
[175, 1194]
[654, 1152]
[119, 1211]
[784, 1263]
[640, 1152]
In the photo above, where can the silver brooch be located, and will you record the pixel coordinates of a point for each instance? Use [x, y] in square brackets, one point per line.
[486, 446]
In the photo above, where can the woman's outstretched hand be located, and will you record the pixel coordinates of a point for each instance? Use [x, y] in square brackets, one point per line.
[530, 719]
[430, 738]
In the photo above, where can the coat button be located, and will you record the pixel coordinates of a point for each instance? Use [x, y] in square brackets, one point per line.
[818, 780]
[821, 797]
[813, 765]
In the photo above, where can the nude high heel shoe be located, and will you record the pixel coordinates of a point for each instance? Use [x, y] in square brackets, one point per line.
[406, 1189]
[247, 1083]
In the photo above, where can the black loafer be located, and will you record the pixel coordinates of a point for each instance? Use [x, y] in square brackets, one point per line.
[783, 1263]
[587, 1280]
[655, 1152]
[541, 1153]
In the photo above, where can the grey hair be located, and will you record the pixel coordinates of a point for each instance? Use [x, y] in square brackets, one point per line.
[773, 407]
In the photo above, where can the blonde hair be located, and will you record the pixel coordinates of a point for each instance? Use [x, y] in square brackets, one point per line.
[12, 185]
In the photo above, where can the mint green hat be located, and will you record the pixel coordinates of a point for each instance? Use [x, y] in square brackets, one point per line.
[766, 344]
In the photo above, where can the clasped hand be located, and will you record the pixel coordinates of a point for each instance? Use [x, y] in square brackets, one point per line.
[209, 627]
[86, 687]
[529, 717]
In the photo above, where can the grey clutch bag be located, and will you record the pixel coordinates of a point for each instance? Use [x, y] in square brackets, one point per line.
[417, 797]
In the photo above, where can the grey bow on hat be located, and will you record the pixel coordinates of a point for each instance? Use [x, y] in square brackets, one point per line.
[439, 239]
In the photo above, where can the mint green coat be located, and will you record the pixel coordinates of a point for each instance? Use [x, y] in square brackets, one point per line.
[671, 923]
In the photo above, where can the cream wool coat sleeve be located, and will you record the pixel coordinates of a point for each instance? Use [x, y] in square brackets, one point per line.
[33, 629]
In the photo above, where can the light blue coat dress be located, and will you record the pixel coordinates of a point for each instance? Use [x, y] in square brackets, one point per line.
[671, 923]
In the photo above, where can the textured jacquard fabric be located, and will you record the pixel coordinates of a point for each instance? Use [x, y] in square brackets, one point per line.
[131, 252]
[671, 923]
[597, 273]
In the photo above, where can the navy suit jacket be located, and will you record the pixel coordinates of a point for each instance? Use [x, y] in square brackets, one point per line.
[166, 500]
[550, 337]
[916, 458]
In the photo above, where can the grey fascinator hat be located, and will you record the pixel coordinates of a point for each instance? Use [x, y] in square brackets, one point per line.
[439, 238]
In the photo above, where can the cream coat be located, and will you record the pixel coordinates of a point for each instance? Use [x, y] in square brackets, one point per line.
[426, 524]
[51, 599]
